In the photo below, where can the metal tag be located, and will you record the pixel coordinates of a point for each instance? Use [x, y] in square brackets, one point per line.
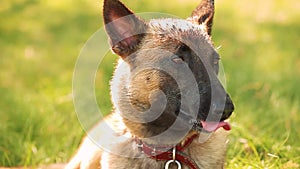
[173, 161]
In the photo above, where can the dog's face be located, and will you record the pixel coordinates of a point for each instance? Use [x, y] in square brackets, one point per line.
[170, 56]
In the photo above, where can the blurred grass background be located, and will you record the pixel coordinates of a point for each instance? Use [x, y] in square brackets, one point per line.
[40, 42]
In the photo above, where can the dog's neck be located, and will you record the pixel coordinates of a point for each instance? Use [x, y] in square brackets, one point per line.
[187, 139]
[170, 153]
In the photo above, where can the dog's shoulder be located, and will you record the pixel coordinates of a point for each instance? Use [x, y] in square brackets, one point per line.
[207, 146]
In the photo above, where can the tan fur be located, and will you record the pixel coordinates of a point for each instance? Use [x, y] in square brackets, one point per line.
[170, 44]
[208, 155]
[110, 144]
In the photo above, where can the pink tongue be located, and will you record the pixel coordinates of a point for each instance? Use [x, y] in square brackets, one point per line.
[213, 126]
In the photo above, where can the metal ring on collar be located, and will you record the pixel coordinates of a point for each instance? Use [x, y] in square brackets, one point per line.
[173, 161]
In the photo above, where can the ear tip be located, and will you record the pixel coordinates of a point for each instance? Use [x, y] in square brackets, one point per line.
[203, 14]
[110, 1]
[113, 5]
[109, 5]
[114, 9]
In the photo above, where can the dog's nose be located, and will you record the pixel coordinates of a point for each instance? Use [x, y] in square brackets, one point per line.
[228, 109]
[224, 110]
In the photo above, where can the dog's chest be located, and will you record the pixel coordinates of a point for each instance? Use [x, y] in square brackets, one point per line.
[207, 155]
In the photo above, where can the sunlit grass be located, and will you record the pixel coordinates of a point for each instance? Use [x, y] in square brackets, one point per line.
[40, 42]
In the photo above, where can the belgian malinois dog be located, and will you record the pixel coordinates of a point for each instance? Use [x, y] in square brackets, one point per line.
[170, 109]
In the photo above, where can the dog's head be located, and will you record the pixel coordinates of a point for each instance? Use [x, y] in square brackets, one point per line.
[169, 73]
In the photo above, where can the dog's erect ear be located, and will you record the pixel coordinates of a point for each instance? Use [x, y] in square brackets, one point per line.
[204, 14]
[125, 30]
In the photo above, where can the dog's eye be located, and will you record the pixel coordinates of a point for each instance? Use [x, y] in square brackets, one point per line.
[184, 48]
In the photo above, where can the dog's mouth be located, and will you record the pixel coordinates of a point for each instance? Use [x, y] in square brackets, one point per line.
[205, 126]
[209, 126]
[214, 126]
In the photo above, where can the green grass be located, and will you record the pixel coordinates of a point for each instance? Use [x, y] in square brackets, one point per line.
[40, 42]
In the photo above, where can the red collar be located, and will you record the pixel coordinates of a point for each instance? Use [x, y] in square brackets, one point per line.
[170, 154]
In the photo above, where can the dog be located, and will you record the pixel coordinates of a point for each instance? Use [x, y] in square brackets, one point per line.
[170, 109]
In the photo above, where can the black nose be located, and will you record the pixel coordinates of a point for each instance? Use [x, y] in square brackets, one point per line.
[228, 109]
